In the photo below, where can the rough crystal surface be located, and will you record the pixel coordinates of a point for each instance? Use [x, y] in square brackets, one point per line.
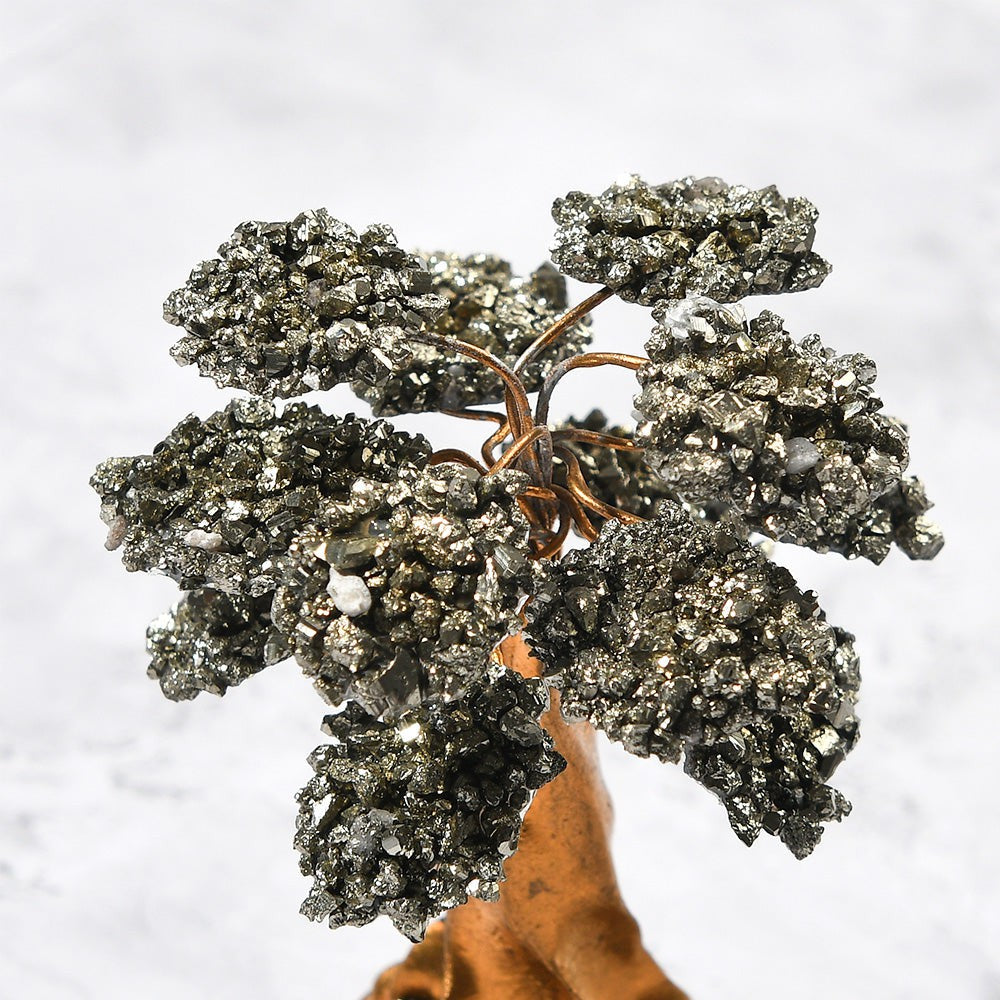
[489, 307]
[677, 638]
[409, 816]
[220, 499]
[691, 236]
[212, 641]
[444, 556]
[288, 307]
[787, 435]
[216, 506]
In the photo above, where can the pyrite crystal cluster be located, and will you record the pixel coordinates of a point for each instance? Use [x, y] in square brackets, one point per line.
[678, 639]
[391, 571]
[786, 434]
[652, 243]
[409, 817]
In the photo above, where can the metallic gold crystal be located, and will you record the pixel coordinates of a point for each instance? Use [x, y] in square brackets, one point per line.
[491, 308]
[678, 638]
[787, 436]
[694, 236]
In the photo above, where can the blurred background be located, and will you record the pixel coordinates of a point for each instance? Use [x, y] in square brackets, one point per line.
[145, 847]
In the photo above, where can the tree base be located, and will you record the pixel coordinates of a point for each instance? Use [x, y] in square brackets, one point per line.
[560, 930]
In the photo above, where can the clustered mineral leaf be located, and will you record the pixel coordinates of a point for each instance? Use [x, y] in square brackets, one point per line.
[787, 434]
[220, 499]
[288, 307]
[216, 507]
[392, 573]
[489, 307]
[676, 637]
[412, 815]
[441, 566]
[692, 236]
[212, 641]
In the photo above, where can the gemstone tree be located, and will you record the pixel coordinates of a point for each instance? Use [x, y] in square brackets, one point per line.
[426, 593]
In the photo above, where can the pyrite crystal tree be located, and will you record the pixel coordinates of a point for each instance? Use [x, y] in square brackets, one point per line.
[409, 583]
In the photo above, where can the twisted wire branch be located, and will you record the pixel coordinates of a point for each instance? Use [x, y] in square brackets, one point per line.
[577, 485]
[561, 325]
[595, 360]
[551, 509]
[518, 407]
[457, 455]
[597, 438]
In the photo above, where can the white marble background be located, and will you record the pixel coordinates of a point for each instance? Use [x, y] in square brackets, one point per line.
[145, 846]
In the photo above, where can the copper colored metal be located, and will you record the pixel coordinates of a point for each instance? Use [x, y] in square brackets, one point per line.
[518, 407]
[554, 332]
[539, 493]
[514, 452]
[576, 509]
[596, 360]
[560, 930]
[470, 414]
[553, 546]
[456, 455]
[596, 437]
[494, 440]
[577, 483]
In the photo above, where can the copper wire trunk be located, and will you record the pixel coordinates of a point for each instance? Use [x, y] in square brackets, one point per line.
[560, 930]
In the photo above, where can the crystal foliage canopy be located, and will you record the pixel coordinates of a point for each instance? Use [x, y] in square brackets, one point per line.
[391, 572]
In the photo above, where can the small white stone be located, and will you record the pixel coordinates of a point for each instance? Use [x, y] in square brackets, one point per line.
[117, 530]
[801, 454]
[350, 594]
[210, 541]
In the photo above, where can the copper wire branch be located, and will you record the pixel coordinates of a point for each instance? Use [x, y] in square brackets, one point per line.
[561, 325]
[596, 437]
[514, 452]
[596, 360]
[550, 508]
[554, 546]
[519, 409]
[495, 439]
[577, 511]
[576, 482]
[528, 500]
[539, 493]
[469, 414]
[456, 455]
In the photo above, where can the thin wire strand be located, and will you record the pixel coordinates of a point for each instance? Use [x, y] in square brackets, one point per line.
[612, 441]
[596, 360]
[456, 455]
[519, 409]
[580, 519]
[554, 546]
[501, 433]
[518, 448]
[531, 510]
[469, 414]
[577, 484]
[561, 325]
[539, 493]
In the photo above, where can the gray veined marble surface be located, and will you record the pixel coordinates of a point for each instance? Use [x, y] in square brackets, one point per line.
[146, 847]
